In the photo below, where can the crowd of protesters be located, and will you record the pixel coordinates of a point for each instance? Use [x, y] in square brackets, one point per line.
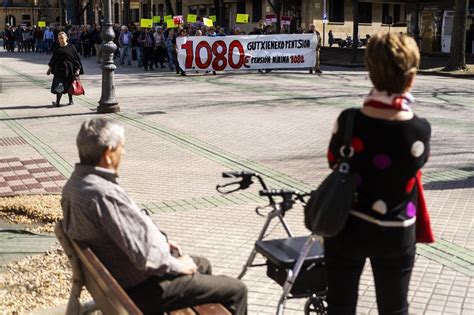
[150, 47]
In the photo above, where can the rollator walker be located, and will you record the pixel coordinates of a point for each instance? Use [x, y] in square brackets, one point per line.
[295, 263]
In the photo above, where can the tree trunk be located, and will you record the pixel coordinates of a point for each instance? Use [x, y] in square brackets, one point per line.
[457, 56]
[278, 24]
[169, 8]
[126, 12]
[277, 6]
[62, 18]
[217, 6]
[355, 34]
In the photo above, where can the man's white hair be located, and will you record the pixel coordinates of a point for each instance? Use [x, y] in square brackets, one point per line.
[95, 136]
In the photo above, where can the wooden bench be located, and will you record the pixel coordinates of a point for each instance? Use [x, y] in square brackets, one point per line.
[109, 297]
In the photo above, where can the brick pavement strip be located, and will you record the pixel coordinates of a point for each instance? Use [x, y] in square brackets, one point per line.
[172, 211]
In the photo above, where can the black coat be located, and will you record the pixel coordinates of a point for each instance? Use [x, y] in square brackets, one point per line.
[64, 63]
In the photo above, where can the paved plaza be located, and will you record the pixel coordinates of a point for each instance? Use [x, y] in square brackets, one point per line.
[183, 132]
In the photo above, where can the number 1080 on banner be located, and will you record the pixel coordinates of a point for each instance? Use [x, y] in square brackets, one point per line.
[246, 52]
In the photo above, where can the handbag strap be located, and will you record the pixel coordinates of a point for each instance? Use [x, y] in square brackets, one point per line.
[348, 130]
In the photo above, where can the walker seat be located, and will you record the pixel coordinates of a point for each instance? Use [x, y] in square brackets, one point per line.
[282, 254]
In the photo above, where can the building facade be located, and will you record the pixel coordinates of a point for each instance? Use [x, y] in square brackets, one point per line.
[429, 19]
[29, 12]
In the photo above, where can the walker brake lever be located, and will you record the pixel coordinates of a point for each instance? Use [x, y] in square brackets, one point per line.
[257, 210]
[243, 184]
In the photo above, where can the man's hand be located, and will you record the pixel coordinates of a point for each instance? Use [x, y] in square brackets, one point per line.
[174, 247]
[189, 267]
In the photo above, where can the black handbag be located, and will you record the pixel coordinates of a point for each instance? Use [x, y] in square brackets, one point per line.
[328, 207]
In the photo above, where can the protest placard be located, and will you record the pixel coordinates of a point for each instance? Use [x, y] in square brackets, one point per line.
[207, 22]
[192, 18]
[147, 23]
[242, 18]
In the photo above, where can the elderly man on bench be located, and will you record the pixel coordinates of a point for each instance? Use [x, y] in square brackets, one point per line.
[153, 271]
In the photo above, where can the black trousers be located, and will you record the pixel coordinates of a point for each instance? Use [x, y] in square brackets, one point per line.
[159, 56]
[148, 57]
[392, 255]
[163, 294]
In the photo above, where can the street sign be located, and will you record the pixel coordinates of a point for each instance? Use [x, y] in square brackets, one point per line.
[325, 18]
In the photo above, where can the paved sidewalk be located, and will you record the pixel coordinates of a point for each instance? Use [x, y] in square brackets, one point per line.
[182, 132]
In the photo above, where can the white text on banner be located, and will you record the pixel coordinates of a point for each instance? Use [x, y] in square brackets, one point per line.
[282, 51]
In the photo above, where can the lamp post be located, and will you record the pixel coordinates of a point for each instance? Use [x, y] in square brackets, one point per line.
[107, 102]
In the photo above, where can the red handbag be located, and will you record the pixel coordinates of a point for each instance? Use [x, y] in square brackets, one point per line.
[76, 87]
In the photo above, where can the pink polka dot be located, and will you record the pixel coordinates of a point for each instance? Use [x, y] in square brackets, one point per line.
[357, 144]
[411, 209]
[410, 185]
[382, 161]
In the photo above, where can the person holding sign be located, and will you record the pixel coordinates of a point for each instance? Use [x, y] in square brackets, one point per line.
[171, 48]
[182, 33]
[147, 41]
[160, 47]
[125, 42]
[317, 66]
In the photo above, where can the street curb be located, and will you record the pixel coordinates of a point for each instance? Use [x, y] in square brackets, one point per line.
[345, 65]
[446, 74]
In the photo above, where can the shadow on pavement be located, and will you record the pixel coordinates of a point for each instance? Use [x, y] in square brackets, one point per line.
[451, 184]
[46, 116]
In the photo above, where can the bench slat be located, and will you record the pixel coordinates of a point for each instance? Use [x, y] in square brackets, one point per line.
[211, 309]
[183, 311]
[103, 287]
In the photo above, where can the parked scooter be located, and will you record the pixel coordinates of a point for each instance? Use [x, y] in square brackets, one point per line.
[348, 42]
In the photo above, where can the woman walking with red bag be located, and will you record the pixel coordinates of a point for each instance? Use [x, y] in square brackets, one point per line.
[66, 66]
[389, 146]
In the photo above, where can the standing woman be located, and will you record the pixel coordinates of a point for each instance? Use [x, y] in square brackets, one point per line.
[389, 146]
[65, 65]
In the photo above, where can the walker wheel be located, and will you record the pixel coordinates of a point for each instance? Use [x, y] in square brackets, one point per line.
[315, 305]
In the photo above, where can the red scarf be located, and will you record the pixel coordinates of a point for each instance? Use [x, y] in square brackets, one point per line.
[378, 99]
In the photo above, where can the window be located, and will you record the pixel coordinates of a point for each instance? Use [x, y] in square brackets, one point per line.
[241, 7]
[161, 9]
[25, 17]
[179, 7]
[202, 11]
[116, 13]
[192, 9]
[212, 10]
[135, 15]
[336, 11]
[365, 12]
[256, 11]
[145, 11]
[386, 14]
[396, 13]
